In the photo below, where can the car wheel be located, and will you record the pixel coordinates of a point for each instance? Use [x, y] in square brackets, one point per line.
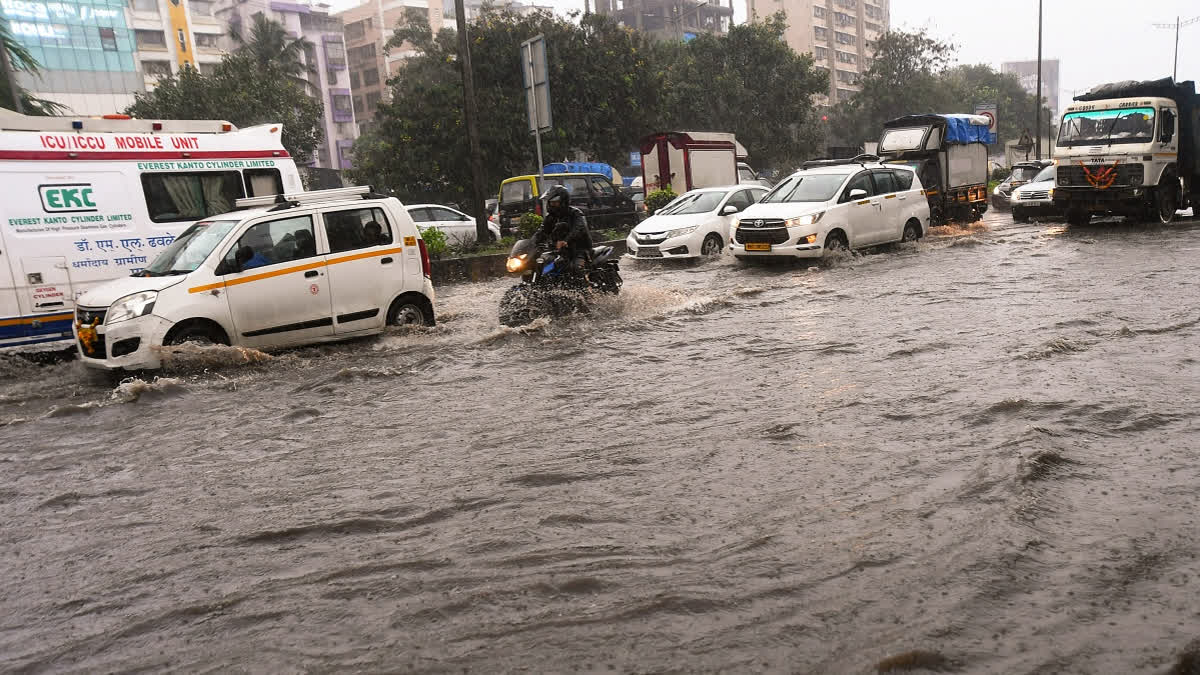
[712, 245]
[196, 334]
[912, 232]
[1019, 216]
[1166, 201]
[836, 241]
[408, 312]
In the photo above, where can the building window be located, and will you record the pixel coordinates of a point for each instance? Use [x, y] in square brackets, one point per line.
[370, 77]
[358, 30]
[150, 39]
[821, 53]
[207, 68]
[845, 38]
[207, 40]
[848, 4]
[874, 12]
[201, 7]
[343, 108]
[847, 57]
[844, 94]
[820, 12]
[149, 6]
[156, 68]
[358, 107]
[820, 33]
[847, 77]
[360, 55]
[874, 26]
[355, 81]
[843, 19]
[870, 45]
[373, 100]
[108, 39]
[335, 55]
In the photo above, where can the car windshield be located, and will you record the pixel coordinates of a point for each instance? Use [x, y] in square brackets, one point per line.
[1022, 173]
[1097, 127]
[516, 191]
[694, 202]
[189, 249]
[813, 187]
[1045, 174]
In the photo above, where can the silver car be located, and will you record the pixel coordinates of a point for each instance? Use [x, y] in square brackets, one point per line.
[1035, 199]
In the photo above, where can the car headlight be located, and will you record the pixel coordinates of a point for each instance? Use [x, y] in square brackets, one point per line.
[131, 306]
[1050, 193]
[681, 231]
[810, 219]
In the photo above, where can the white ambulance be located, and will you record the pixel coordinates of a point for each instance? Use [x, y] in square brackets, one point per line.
[92, 199]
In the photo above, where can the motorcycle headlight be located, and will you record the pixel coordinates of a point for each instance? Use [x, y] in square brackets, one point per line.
[679, 232]
[514, 264]
[131, 306]
[810, 219]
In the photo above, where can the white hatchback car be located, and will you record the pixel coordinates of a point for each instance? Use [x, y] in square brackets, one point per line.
[458, 226]
[830, 206]
[287, 270]
[694, 224]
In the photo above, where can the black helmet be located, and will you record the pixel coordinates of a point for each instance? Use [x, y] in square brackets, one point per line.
[558, 201]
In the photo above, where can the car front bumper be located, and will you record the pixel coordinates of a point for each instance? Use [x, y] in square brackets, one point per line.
[684, 246]
[135, 341]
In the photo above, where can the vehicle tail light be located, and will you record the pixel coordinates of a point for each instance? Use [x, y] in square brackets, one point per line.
[537, 208]
[426, 266]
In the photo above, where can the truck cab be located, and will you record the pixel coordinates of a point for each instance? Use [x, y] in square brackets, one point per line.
[1128, 149]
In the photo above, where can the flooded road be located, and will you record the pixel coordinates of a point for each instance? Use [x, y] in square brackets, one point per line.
[978, 453]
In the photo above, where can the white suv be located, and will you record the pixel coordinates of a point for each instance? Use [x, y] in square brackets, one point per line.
[845, 204]
[286, 270]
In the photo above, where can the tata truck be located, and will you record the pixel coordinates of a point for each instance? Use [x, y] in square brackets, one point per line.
[949, 152]
[1131, 149]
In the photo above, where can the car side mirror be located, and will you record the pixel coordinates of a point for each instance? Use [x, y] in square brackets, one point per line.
[729, 209]
[857, 193]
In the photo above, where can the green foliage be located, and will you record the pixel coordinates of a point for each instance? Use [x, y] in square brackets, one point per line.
[658, 199]
[435, 241]
[530, 222]
[242, 91]
[21, 60]
[611, 86]
[268, 46]
[912, 74]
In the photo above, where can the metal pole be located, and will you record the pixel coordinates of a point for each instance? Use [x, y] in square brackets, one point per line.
[469, 115]
[537, 120]
[1175, 71]
[18, 105]
[1037, 94]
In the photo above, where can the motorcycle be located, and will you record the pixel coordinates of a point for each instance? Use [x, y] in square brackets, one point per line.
[549, 288]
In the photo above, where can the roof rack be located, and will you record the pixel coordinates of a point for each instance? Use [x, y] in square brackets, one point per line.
[294, 199]
[861, 159]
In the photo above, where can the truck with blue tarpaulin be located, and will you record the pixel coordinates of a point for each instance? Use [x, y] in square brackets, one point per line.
[949, 153]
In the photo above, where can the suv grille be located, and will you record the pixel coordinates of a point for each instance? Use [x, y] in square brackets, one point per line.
[1035, 194]
[1074, 175]
[754, 235]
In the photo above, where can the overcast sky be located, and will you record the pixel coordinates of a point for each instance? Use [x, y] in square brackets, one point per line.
[1095, 40]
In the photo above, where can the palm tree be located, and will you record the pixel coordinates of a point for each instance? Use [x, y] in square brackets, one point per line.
[19, 58]
[269, 46]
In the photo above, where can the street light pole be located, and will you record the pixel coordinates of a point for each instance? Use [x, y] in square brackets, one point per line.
[469, 116]
[1177, 25]
[1037, 93]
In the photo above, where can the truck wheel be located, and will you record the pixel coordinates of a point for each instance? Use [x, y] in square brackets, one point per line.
[1078, 217]
[1166, 201]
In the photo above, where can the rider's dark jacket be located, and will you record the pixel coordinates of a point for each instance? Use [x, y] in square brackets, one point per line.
[572, 229]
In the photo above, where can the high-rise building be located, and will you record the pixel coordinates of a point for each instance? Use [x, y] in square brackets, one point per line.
[172, 33]
[329, 79]
[1026, 72]
[840, 34]
[671, 19]
[368, 27]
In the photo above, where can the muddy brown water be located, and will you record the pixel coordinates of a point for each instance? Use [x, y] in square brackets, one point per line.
[976, 454]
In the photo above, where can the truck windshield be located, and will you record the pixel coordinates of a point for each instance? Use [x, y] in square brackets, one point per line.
[813, 187]
[895, 140]
[1103, 127]
[190, 249]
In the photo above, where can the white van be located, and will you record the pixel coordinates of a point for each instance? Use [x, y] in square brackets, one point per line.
[835, 204]
[287, 270]
[93, 199]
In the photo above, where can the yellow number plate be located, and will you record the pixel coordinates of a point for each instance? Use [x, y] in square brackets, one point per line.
[758, 247]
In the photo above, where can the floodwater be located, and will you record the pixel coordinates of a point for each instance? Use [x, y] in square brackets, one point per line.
[978, 453]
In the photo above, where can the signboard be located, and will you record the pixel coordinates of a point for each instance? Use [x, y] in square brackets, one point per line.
[635, 158]
[989, 110]
[537, 83]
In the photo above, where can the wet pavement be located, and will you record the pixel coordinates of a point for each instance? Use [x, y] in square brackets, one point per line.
[977, 453]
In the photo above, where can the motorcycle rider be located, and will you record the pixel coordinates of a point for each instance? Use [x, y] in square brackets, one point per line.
[567, 227]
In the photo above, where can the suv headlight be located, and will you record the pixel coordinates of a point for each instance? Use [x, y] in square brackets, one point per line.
[131, 307]
[681, 231]
[810, 219]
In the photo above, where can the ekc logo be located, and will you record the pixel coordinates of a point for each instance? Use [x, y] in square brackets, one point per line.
[68, 198]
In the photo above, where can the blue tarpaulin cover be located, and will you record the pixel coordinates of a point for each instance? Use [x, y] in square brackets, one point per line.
[966, 129]
[579, 167]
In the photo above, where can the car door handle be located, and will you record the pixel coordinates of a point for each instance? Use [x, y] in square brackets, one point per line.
[310, 274]
[385, 261]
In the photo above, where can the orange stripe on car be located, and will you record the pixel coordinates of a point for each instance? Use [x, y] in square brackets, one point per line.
[297, 268]
[890, 197]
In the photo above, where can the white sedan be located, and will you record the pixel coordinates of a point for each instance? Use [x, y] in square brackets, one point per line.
[458, 226]
[694, 224]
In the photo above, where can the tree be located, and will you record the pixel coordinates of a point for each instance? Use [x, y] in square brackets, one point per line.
[242, 91]
[20, 59]
[268, 46]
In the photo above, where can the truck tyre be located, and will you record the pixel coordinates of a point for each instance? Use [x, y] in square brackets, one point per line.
[1166, 200]
[1078, 217]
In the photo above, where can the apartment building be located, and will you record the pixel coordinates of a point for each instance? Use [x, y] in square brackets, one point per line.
[671, 19]
[473, 8]
[840, 34]
[368, 27]
[169, 35]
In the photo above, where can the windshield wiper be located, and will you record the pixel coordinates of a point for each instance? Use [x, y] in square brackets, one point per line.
[1108, 136]
[173, 273]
